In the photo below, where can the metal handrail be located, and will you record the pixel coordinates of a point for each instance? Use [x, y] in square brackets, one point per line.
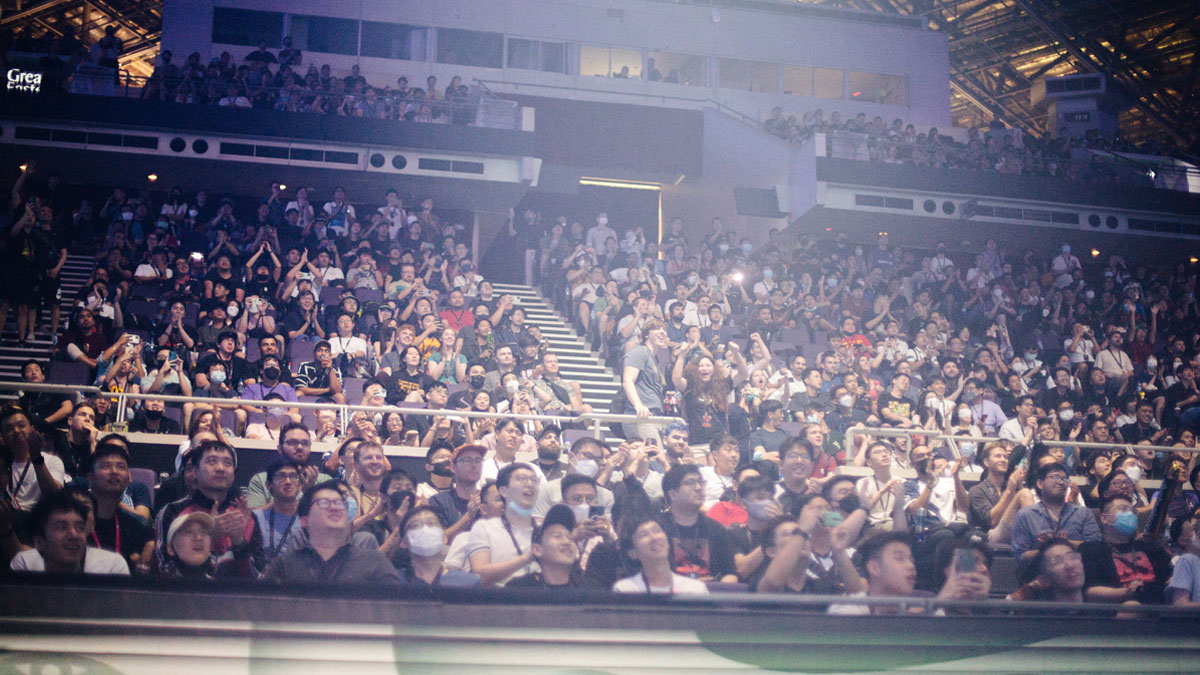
[594, 418]
[951, 439]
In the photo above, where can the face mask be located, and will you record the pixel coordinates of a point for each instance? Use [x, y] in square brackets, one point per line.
[846, 400]
[964, 415]
[1151, 364]
[997, 293]
[271, 373]
[1066, 415]
[1030, 356]
[519, 510]
[602, 220]
[857, 250]
[849, 503]
[723, 248]
[424, 541]
[581, 512]
[811, 418]
[192, 212]
[767, 274]
[477, 382]
[217, 377]
[832, 518]
[587, 467]
[253, 309]
[1045, 312]
[747, 248]
[442, 469]
[967, 449]
[1089, 294]
[1126, 523]
[351, 508]
[1066, 248]
[154, 414]
[276, 413]
[831, 282]
[1134, 473]
[512, 387]
[759, 510]
[232, 311]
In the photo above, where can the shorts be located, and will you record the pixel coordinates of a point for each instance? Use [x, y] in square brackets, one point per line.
[49, 291]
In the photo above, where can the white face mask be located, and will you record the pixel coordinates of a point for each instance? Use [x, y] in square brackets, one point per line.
[512, 387]
[602, 220]
[587, 467]
[581, 512]
[846, 401]
[1066, 415]
[964, 415]
[1134, 472]
[424, 541]
[1151, 364]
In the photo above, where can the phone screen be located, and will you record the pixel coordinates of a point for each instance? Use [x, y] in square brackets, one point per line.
[595, 511]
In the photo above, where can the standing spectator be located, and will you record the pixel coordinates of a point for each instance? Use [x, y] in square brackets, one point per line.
[642, 381]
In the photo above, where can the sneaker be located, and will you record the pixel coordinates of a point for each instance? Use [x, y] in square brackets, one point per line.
[30, 338]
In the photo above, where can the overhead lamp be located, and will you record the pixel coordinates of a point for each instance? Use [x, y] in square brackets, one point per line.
[618, 183]
[1095, 253]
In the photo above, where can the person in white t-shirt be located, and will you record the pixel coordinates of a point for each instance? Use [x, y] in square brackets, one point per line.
[60, 525]
[645, 540]
[33, 474]
[502, 548]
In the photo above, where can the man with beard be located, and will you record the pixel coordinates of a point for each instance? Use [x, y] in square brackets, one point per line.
[549, 451]
[585, 457]
[295, 445]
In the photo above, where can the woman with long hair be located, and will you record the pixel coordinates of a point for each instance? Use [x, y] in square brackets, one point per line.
[705, 386]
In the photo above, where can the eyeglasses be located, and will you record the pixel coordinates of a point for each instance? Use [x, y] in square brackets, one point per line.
[797, 457]
[326, 504]
[1057, 478]
[523, 480]
[1060, 560]
[292, 476]
[298, 443]
[693, 482]
[469, 461]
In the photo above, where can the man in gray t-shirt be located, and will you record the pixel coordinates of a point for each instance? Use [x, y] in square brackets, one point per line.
[642, 380]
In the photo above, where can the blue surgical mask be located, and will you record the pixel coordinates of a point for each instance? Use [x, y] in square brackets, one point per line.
[519, 510]
[217, 377]
[1126, 523]
[833, 518]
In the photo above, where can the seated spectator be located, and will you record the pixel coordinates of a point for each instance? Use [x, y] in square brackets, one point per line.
[1121, 567]
[235, 534]
[150, 419]
[237, 369]
[555, 551]
[46, 407]
[86, 338]
[189, 548]
[75, 446]
[645, 541]
[216, 387]
[1055, 574]
[268, 384]
[701, 547]
[991, 496]
[1184, 586]
[304, 320]
[1053, 516]
[437, 464]
[34, 474]
[59, 523]
[501, 548]
[458, 506]
[328, 557]
[284, 481]
[423, 538]
[724, 453]
[584, 458]
[320, 377]
[295, 445]
[794, 567]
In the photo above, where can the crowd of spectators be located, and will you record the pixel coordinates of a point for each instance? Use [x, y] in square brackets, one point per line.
[777, 356]
[281, 81]
[993, 149]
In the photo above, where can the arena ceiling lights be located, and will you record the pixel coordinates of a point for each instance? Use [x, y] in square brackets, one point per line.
[619, 183]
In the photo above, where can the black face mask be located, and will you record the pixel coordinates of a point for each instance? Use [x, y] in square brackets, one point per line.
[922, 466]
[849, 504]
[271, 373]
[154, 414]
[263, 277]
[442, 469]
[477, 381]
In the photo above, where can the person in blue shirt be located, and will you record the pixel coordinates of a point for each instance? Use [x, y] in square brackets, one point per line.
[1052, 516]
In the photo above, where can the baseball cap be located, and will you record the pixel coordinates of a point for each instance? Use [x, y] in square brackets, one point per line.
[180, 521]
[482, 451]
